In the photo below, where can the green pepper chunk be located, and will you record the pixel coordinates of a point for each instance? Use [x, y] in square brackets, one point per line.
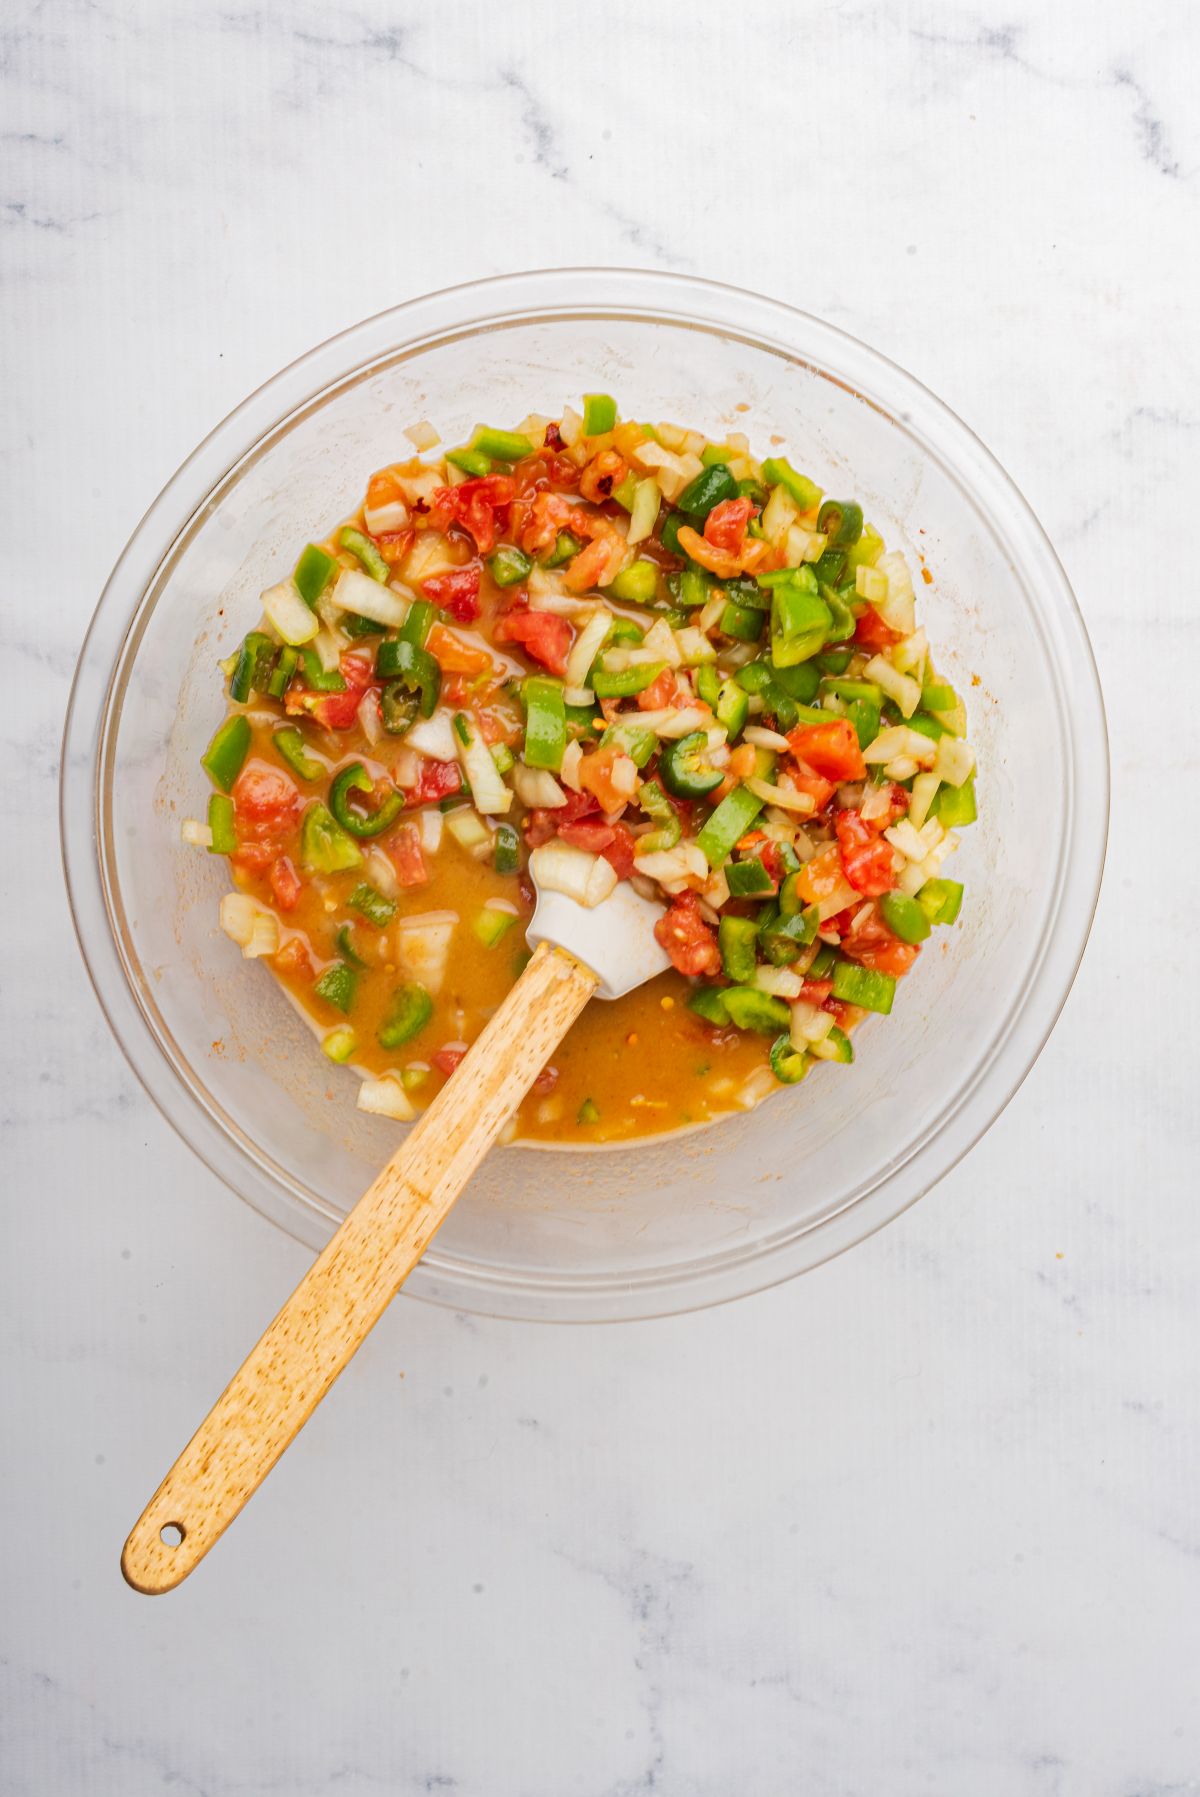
[841, 521]
[245, 677]
[364, 825]
[321, 680]
[799, 682]
[636, 740]
[708, 685]
[954, 806]
[754, 491]
[737, 939]
[710, 487]
[565, 546]
[783, 935]
[728, 824]
[508, 566]
[399, 707]
[220, 822]
[471, 461]
[829, 567]
[863, 986]
[281, 674]
[742, 622]
[313, 573]
[346, 949]
[626, 492]
[690, 587]
[579, 720]
[658, 807]
[501, 446]
[599, 414]
[625, 682]
[708, 1002]
[364, 551]
[354, 625]
[336, 986]
[668, 534]
[637, 584]
[289, 746]
[822, 963]
[409, 1012]
[748, 879]
[325, 847]
[938, 697]
[751, 1009]
[842, 621]
[788, 1064]
[506, 852]
[940, 900]
[685, 768]
[418, 623]
[904, 917]
[800, 620]
[778, 472]
[624, 630]
[223, 758]
[836, 1046]
[415, 669]
[545, 722]
[372, 905]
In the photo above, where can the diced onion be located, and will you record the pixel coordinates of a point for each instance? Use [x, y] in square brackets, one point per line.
[911, 654]
[558, 866]
[644, 515]
[536, 786]
[780, 982]
[198, 835]
[694, 647]
[568, 773]
[570, 426]
[429, 553]
[905, 691]
[955, 760]
[903, 767]
[898, 607]
[423, 947]
[357, 592]
[673, 724]
[287, 613]
[762, 738]
[660, 641]
[586, 647]
[264, 937]
[434, 737]
[422, 435]
[329, 645]
[386, 1097]
[684, 862]
[492, 797]
[898, 739]
[760, 1084]
[469, 831]
[786, 797]
[237, 915]
[902, 836]
[381, 871]
[924, 789]
[809, 1024]
[381, 518]
[711, 613]
[369, 719]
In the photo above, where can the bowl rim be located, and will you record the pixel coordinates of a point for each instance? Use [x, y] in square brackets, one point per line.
[590, 293]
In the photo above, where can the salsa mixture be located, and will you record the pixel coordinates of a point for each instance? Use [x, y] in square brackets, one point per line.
[634, 654]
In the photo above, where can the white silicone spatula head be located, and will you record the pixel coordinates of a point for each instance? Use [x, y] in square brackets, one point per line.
[614, 937]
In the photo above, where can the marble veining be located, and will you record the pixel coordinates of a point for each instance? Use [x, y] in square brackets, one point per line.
[922, 1524]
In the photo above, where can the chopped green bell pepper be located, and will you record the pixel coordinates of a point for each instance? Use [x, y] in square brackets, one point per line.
[778, 472]
[319, 679]
[863, 986]
[281, 674]
[508, 566]
[364, 550]
[545, 722]
[841, 521]
[741, 622]
[220, 823]
[565, 546]
[313, 573]
[289, 746]
[904, 917]
[372, 905]
[728, 824]
[748, 879]
[625, 682]
[708, 1002]
[324, 846]
[336, 986]
[472, 462]
[940, 900]
[637, 584]
[954, 806]
[506, 853]
[751, 1009]
[501, 446]
[710, 488]
[418, 622]
[658, 807]
[246, 676]
[223, 758]
[599, 414]
[737, 939]
[409, 1012]
[397, 659]
[636, 740]
[788, 1064]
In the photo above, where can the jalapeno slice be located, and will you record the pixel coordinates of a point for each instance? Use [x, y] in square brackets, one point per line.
[355, 778]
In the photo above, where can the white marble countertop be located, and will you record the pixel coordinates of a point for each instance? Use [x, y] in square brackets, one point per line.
[923, 1522]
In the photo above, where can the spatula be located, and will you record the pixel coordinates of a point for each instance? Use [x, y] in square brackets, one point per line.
[579, 953]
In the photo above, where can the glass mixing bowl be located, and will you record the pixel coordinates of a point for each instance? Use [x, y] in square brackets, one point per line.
[742, 1204]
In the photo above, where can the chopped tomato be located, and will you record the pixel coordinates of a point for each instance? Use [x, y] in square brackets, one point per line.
[724, 563]
[619, 853]
[815, 992]
[819, 878]
[872, 633]
[497, 726]
[725, 526]
[335, 711]
[454, 656]
[394, 545]
[437, 780]
[819, 789]
[829, 749]
[447, 1059]
[874, 946]
[265, 801]
[542, 634]
[456, 592]
[866, 858]
[598, 775]
[285, 883]
[295, 959]
[546, 1081]
[772, 861]
[473, 504]
[404, 851]
[592, 834]
[659, 694]
[688, 940]
[898, 803]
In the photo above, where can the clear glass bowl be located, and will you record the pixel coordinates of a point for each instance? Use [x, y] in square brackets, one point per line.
[746, 1202]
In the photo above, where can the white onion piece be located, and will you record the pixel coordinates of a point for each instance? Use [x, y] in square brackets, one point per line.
[558, 866]
[386, 1097]
[357, 592]
[287, 614]
[536, 786]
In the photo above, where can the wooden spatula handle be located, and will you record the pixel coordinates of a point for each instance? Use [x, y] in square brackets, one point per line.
[350, 1285]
